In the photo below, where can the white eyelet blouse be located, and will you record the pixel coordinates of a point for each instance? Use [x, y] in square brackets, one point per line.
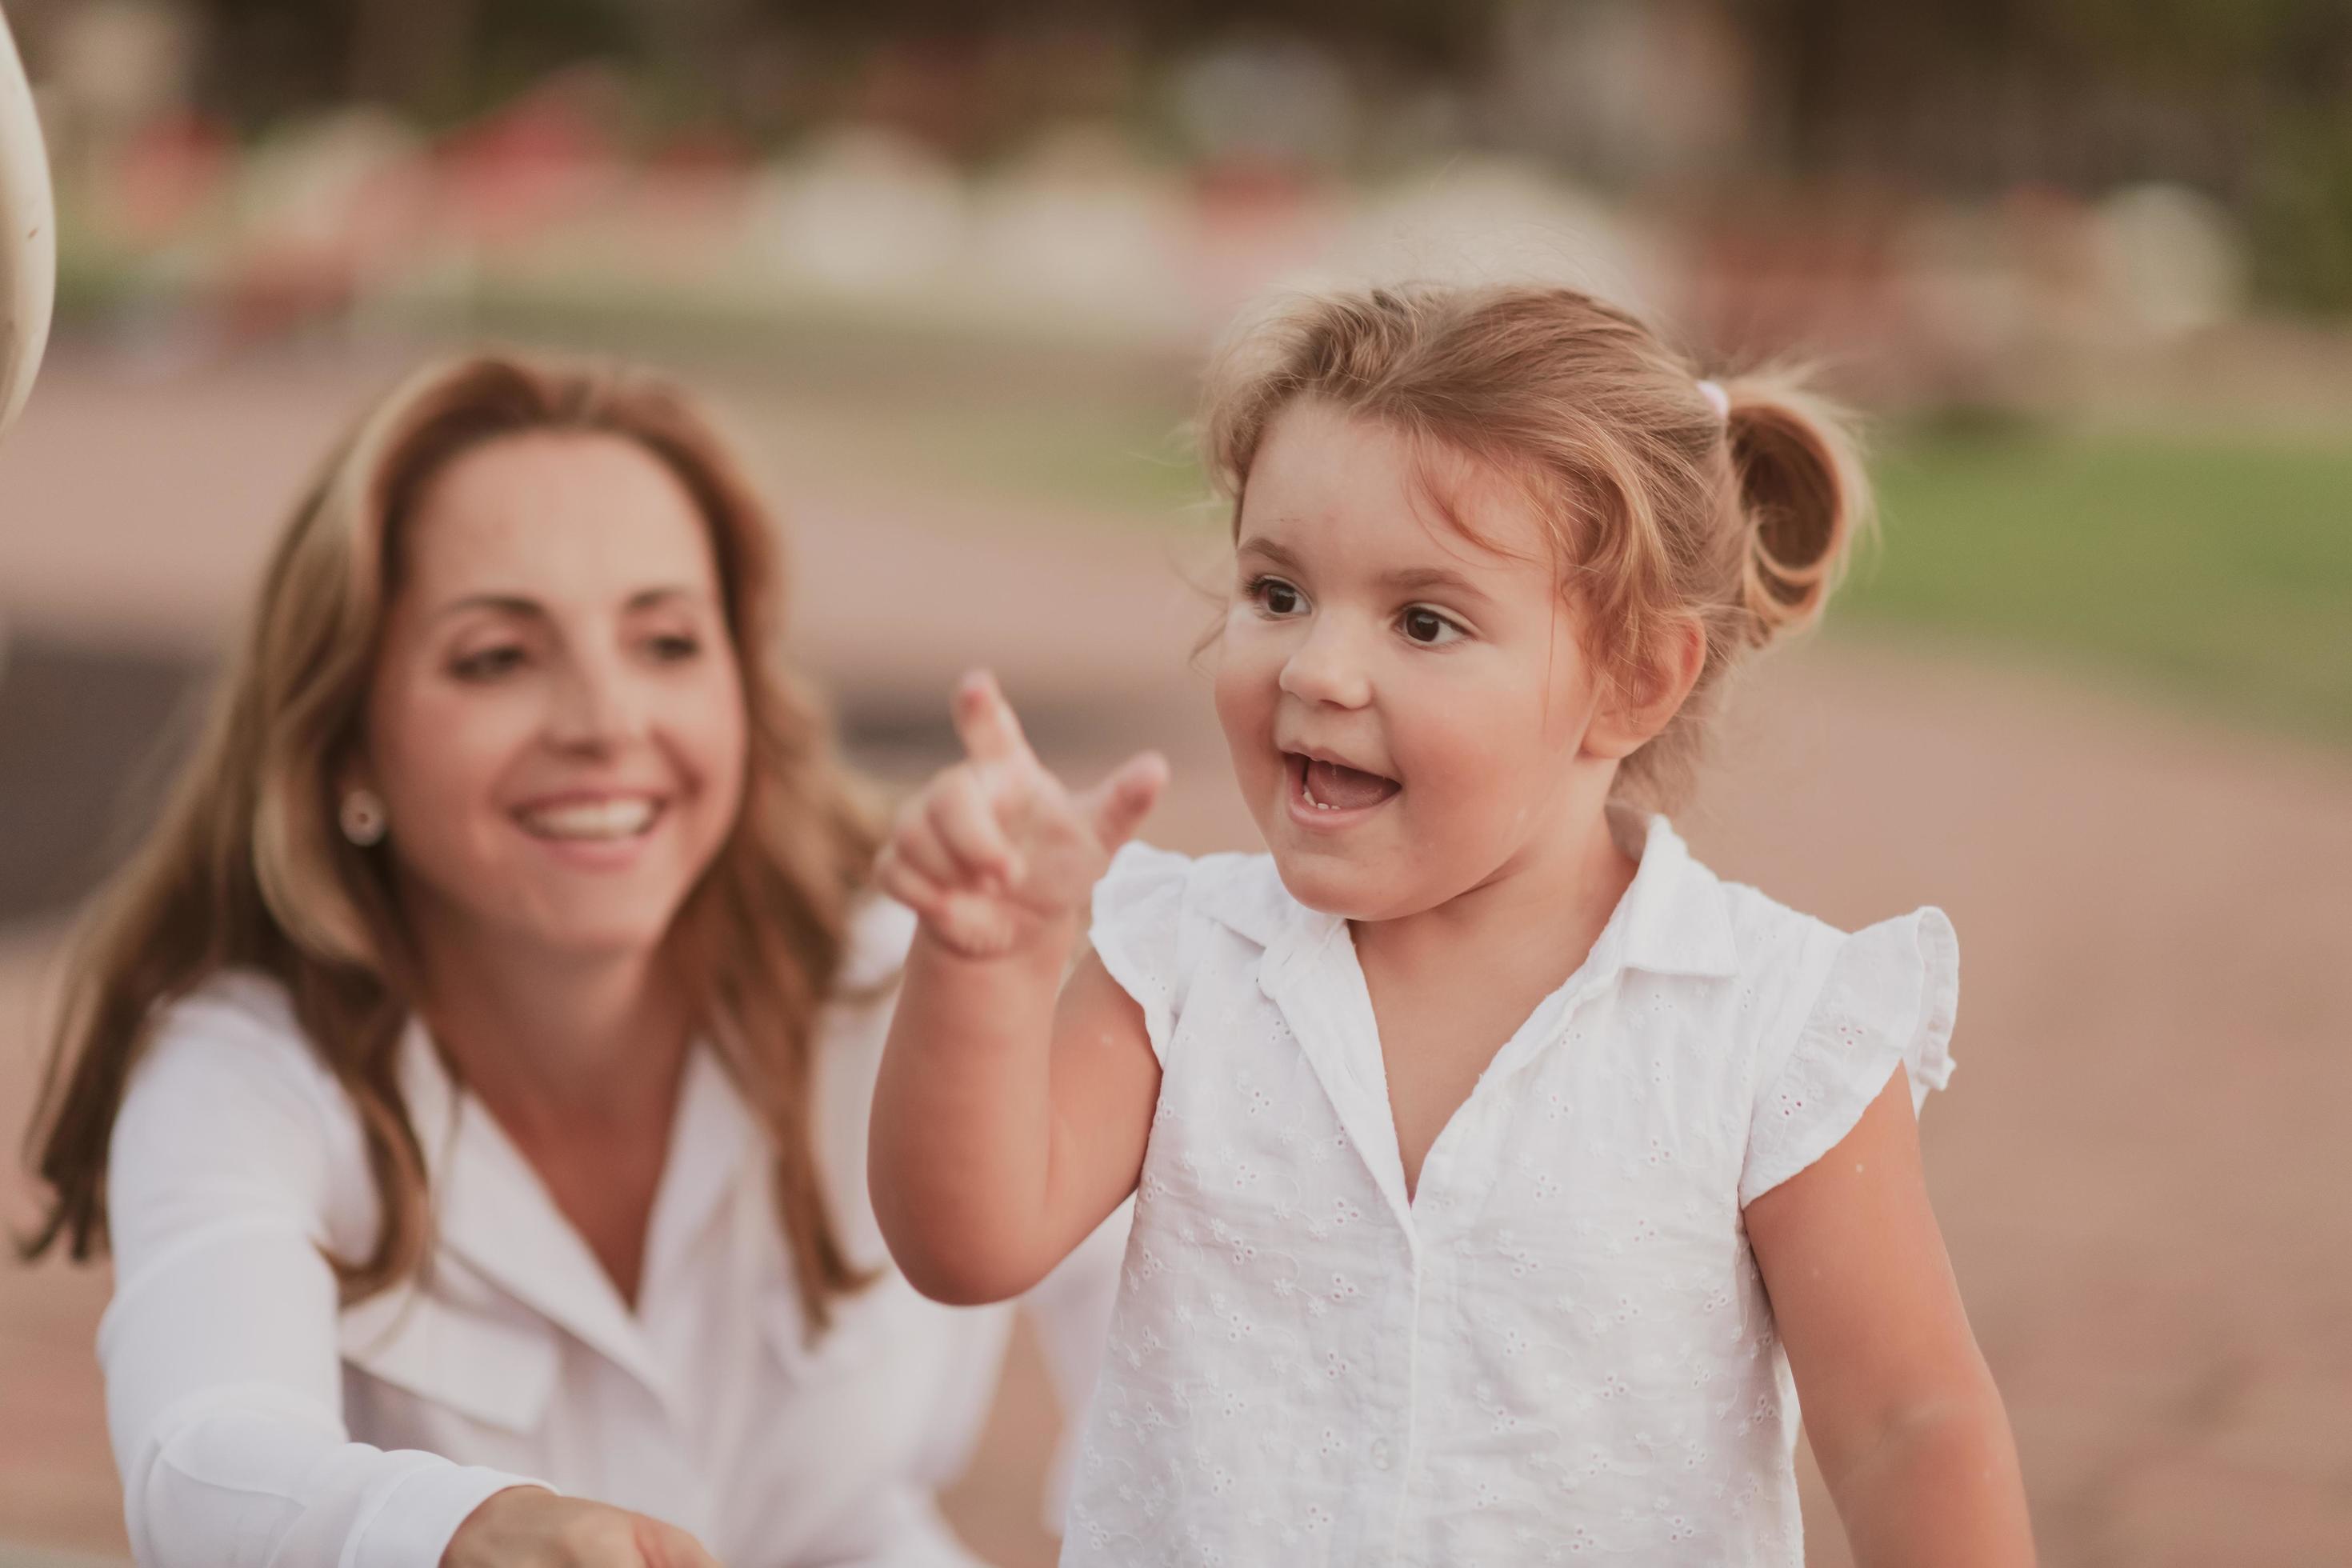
[1559, 1349]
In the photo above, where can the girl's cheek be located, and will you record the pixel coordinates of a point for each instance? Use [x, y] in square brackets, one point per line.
[1459, 748]
[1242, 678]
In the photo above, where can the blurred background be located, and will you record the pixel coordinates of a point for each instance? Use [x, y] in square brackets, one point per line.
[952, 269]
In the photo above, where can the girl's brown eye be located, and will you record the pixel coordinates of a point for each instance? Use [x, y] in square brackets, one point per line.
[1425, 625]
[1274, 596]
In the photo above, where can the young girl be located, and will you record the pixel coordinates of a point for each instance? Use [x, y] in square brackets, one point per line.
[1496, 1163]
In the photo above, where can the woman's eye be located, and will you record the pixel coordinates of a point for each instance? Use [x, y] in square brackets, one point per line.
[1427, 626]
[674, 649]
[487, 664]
[1276, 597]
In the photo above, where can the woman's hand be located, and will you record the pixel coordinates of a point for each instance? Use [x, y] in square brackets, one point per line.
[994, 855]
[531, 1527]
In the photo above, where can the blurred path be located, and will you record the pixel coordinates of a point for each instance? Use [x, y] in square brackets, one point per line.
[2137, 1165]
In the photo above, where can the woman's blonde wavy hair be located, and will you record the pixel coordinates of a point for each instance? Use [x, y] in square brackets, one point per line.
[246, 869]
[1660, 509]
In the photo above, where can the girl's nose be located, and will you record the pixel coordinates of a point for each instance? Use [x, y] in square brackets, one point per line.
[1328, 668]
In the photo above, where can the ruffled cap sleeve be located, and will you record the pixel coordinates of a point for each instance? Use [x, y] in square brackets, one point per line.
[1138, 929]
[1890, 997]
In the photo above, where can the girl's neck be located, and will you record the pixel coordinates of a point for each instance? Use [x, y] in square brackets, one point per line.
[554, 1043]
[1526, 928]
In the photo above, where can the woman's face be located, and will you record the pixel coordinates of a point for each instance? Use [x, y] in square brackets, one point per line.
[556, 723]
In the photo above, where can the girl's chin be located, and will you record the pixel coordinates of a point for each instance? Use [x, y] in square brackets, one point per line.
[1328, 882]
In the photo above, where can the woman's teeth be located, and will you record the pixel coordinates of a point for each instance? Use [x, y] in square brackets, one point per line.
[591, 819]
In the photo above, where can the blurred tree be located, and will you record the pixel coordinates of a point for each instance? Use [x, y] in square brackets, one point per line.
[435, 59]
[2249, 99]
[2075, 92]
[266, 56]
[1433, 34]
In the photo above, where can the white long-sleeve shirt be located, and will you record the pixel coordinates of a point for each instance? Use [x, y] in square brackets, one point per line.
[256, 1423]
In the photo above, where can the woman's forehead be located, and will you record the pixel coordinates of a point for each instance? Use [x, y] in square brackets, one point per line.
[558, 508]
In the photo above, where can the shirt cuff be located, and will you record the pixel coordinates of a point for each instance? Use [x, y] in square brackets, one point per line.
[411, 1527]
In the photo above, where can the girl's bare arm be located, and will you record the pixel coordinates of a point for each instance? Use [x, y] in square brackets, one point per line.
[1007, 1121]
[1901, 1409]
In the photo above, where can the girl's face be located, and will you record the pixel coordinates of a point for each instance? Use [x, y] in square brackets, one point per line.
[556, 723]
[1409, 711]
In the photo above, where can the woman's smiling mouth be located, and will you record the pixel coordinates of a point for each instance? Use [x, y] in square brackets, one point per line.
[594, 819]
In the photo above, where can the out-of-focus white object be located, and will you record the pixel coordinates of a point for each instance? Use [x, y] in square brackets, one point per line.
[1484, 221]
[28, 235]
[2175, 262]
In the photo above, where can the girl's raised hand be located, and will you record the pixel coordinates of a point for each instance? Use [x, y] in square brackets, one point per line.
[994, 855]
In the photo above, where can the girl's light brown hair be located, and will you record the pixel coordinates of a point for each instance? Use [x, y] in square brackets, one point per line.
[1661, 510]
[247, 870]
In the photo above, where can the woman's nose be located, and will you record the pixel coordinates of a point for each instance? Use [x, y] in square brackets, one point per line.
[596, 707]
[1328, 667]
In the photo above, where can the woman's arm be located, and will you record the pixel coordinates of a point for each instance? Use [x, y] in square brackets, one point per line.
[1007, 1123]
[1901, 1409]
[224, 1375]
[1070, 1310]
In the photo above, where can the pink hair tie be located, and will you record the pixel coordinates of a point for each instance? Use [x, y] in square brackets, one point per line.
[1716, 399]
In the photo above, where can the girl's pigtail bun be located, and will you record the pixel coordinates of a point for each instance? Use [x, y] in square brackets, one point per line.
[1802, 494]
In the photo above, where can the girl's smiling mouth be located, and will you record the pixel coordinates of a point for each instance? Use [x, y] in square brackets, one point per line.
[1325, 792]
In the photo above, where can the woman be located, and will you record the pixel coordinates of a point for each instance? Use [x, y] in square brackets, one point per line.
[470, 1074]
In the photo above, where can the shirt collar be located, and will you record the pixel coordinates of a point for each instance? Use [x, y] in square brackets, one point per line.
[1671, 919]
[491, 1210]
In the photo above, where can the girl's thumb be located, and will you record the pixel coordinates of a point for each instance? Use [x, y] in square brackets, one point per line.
[1119, 805]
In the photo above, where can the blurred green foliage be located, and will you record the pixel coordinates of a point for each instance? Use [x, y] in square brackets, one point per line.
[2215, 565]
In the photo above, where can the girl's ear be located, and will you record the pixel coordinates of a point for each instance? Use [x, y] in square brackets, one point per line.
[1633, 711]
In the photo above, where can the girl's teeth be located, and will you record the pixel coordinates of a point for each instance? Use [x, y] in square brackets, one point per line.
[595, 820]
[1333, 786]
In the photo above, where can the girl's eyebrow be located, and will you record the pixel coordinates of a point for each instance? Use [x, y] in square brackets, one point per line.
[1274, 555]
[1420, 579]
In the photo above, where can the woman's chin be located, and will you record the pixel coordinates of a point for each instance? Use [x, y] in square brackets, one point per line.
[589, 931]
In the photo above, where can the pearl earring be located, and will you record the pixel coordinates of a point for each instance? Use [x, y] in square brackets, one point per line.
[363, 818]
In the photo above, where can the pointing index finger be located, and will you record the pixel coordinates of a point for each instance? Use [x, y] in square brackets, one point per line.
[985, 721]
